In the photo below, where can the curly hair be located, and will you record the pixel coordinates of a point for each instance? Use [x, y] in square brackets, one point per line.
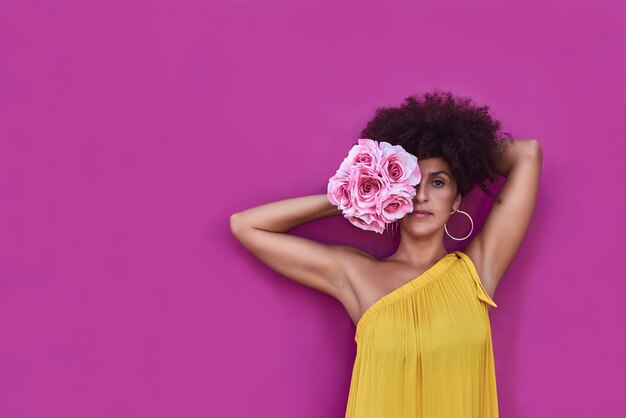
[442, 125]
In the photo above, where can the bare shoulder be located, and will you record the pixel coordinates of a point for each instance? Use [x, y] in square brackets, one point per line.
[356, 263]
[355, 253]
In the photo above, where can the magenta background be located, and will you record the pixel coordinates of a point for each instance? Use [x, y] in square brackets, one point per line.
[130, 131]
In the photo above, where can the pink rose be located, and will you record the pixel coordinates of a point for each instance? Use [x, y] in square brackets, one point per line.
[400, 165]
[374, 184]
[339, 193]
[396, 204]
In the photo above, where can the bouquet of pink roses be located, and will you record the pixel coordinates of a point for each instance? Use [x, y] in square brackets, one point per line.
[374, 185]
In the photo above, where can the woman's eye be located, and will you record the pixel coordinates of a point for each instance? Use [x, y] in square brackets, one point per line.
[439, 181]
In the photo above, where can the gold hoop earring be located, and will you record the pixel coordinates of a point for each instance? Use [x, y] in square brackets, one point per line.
[471, 221]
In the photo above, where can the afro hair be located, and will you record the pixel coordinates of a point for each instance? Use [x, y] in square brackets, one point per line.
[441, 125]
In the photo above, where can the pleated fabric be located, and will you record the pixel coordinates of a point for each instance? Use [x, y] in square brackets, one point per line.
[425, 350]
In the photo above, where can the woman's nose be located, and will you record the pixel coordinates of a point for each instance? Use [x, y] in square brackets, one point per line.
[420, 193]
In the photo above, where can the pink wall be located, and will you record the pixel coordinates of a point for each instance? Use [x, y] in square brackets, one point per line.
[130, 131]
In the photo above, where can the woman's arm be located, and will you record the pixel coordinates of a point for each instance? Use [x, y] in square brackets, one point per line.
[263, 231]
[284, 215]
[495, 246]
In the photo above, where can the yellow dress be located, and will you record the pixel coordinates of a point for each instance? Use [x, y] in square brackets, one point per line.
[424, 350]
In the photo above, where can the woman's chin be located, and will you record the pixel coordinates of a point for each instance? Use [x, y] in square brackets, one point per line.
[420, 227]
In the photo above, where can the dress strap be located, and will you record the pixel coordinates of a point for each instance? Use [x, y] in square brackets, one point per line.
[482, 293]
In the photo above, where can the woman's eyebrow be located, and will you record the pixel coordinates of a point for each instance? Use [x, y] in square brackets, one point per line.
[434, 173]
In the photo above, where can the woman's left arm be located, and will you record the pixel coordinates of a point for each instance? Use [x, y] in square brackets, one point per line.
[495, 246]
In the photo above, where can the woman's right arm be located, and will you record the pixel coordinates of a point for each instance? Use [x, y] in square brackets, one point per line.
[263, 230]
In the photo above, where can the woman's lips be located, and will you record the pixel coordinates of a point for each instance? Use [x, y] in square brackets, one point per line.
[421, 214]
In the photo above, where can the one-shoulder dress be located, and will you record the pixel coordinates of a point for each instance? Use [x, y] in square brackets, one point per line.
[424, 350]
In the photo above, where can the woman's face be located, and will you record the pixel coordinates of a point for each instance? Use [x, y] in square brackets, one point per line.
[436, 193]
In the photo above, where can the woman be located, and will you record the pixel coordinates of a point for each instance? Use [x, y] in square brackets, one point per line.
[423, 334]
